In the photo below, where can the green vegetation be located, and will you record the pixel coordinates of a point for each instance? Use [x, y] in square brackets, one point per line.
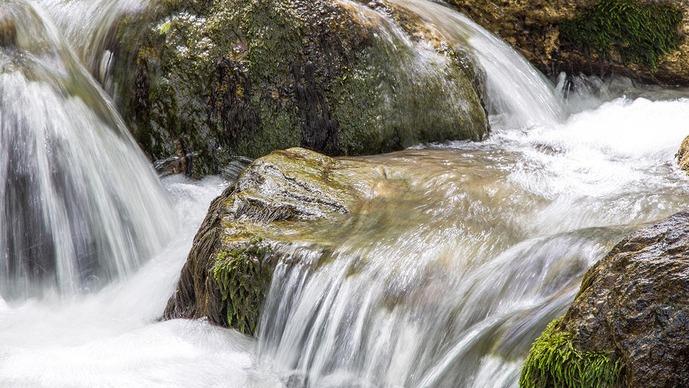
[243, 279]
[555, 362]
[639, 33]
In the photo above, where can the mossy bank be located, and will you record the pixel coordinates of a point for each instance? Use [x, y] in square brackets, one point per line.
[642, 39]
[238, 77]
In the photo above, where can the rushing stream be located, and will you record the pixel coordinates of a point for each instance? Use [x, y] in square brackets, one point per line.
[445, 283]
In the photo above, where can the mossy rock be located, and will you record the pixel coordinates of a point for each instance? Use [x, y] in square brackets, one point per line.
[635, 32]
[629, 324]
[642, 39]
[240, 77]
[554, 361]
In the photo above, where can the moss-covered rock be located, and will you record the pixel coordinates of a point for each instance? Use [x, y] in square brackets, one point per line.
[241, 77]
[629, 324]
[642, 39]
[554, 361]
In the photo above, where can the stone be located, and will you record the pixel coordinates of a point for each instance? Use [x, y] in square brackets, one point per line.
[572, 35]
[240, 77]
[630, 321]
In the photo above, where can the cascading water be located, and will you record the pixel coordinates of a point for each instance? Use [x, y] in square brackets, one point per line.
[445, 283]
[81, 204]
[517, 91]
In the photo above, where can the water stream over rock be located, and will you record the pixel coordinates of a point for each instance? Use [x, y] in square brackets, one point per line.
[445, 281]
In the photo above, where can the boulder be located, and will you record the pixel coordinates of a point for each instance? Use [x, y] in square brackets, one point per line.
[278, 199]
[245, 77]
[642, 39]
[629, 324]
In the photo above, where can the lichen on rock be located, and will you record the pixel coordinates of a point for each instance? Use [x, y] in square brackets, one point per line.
[631, 317]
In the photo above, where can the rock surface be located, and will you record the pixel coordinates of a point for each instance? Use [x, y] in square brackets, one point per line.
[683, 155]
[278, 198]
[633, 309]
[240, 77]
[642, 39]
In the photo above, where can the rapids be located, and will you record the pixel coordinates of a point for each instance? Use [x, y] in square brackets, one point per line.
[453, 278]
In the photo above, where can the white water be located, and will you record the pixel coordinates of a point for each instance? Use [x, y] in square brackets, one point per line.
[82, 204]
[495, 250]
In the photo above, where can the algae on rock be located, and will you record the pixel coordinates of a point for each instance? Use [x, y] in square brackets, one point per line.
[555, 361]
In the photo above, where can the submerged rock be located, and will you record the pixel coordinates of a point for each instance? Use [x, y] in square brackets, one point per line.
[642, 39]
[629, 325]
[239, 77]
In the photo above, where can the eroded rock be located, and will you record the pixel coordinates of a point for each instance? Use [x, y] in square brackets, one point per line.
[630, 322]
[683, 155]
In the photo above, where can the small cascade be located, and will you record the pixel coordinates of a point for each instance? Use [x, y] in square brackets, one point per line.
[81, 203]
[96, 20]
[516, 90]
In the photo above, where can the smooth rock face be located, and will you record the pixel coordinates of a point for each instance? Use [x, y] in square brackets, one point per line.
[240, 77]
[634, 304]
[279, 197]
[536, 28]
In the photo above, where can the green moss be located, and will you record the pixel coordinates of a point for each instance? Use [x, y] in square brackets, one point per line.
[387, 102]
[639, 32]
[554, 361]
[243, 279]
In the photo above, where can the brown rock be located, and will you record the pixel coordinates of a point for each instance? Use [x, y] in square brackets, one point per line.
[635, 304]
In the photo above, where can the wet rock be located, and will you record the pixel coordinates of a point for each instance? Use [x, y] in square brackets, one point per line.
[278, 198]
[629, 325]
[641, 39]
[239, 77]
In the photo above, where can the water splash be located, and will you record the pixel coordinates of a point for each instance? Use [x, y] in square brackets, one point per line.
[81, 203]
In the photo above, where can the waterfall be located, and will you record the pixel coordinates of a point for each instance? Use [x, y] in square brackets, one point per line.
[516, 90]
[81, 203]
[444, 282]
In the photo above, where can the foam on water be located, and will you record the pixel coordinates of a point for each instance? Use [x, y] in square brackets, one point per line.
[111, 338]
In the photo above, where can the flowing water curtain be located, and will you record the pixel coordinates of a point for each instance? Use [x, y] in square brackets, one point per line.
[80, 205]
[517, 91]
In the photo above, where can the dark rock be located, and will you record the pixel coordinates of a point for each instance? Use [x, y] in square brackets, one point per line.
[633, 308]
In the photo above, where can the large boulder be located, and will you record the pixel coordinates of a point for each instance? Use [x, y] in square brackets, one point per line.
[245, 77]
[280, 198]
[683, 155]
[629, 325]
[642, 39]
